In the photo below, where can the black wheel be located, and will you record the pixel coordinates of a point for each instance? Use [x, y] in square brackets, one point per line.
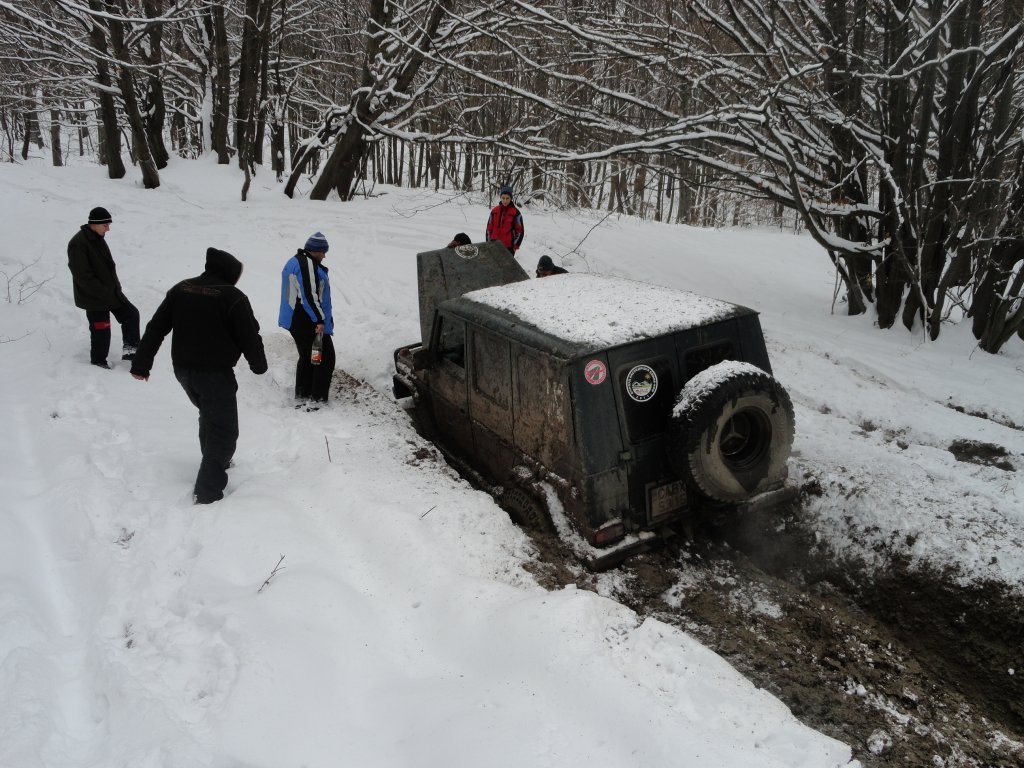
[524, 509]
[734, 432]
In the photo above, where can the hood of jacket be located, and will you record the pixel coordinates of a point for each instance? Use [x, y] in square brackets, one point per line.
[223, 265]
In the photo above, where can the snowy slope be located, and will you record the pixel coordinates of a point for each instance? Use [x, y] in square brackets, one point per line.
[402, 630]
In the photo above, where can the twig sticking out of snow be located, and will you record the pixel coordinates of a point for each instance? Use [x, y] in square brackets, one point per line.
[273, 573]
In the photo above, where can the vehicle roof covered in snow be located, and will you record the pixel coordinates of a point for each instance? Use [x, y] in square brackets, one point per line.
[582, 313]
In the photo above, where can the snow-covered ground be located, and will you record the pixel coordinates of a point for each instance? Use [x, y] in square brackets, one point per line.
[402, 629]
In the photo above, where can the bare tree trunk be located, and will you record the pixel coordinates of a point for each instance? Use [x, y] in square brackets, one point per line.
[111, 138]
[260, 111]
[155, 108]
[31, 129]
[640, 191]
[25, 142]
[140, 141]
[55, 148]
[8, 133]
[81, 122]
[434, 163]
[278, 110]
[993, 308]
[219, 62]
[895, 273]
[277, 148]
[957, 118]
[247, 106]
[846, 171]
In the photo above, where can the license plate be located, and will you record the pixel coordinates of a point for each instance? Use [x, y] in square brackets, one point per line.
[667, 498]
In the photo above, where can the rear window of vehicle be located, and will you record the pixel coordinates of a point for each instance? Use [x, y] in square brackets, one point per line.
[702, 358]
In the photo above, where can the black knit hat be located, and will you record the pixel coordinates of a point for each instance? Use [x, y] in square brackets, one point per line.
[461, 239]
[545, 263]
[99, 215]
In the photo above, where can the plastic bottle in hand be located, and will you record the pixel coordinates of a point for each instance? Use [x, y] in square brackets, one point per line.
[317, 355]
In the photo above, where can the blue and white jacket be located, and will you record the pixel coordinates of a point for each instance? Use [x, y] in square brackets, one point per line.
[304, 282]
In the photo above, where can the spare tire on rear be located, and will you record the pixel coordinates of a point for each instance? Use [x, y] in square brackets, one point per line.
[733, 432]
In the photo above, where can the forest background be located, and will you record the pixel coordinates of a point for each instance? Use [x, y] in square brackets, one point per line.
[889, 130]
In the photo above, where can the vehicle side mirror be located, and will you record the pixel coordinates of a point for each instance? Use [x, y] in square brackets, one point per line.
[422, 358]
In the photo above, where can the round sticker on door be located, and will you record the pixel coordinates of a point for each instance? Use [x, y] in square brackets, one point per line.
[641, 383]
[595, 372]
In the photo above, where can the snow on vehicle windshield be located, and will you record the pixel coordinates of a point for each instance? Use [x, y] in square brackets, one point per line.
[601, 309]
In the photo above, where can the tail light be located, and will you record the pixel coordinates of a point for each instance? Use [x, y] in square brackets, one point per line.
[609, 532]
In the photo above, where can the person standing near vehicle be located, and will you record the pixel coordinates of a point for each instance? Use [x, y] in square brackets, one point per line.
[98, 291]
[306, 314]
[506, 222]
[213, 325]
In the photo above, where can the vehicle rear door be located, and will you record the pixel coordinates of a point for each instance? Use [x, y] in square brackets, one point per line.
[645, 380]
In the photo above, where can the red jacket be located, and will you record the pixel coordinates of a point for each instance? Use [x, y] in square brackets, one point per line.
[506, 225]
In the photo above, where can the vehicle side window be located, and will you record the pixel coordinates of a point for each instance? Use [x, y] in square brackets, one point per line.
[492, 367]
[702, 358]
[452, 342]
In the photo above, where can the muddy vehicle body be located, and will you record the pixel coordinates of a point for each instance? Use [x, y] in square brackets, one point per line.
[622, 405]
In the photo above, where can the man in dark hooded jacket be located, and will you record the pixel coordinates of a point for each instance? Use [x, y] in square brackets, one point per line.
[213, 326]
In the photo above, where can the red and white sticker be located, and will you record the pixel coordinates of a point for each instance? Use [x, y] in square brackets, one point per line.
[595, 372]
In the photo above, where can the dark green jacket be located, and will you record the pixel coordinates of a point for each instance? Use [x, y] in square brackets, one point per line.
[93, 272]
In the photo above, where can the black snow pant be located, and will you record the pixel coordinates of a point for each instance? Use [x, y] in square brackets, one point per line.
[213, 393]
[311, 381]
[99, 331]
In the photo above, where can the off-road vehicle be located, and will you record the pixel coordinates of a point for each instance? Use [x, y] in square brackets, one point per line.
[621, 405]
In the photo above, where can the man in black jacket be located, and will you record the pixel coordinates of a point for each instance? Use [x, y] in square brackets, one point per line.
[98, 291]
[213, 326]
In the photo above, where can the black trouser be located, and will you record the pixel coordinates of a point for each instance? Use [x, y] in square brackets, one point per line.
[312, 381]
[213, 393]
[99, 330]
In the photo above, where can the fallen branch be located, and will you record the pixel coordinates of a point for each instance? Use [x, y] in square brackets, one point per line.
[273, 573]
[26, 288]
